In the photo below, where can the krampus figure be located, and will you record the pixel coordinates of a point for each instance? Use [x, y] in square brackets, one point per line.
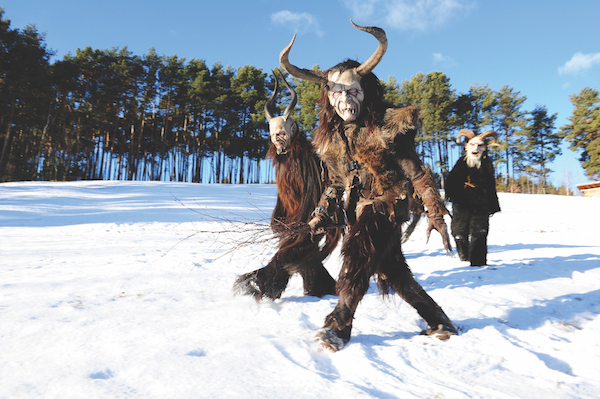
[299, 187]
[368, 150]
[471, 188]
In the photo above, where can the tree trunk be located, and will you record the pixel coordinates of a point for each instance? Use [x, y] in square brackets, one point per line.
[6, 139]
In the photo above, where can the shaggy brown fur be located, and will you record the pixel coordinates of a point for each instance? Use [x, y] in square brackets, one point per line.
[299, 188]
[381, 140]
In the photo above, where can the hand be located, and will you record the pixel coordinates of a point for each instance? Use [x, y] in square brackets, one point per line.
[436, 222]
[317, 225]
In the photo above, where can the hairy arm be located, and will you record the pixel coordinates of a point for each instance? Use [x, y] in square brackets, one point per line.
[424, 185]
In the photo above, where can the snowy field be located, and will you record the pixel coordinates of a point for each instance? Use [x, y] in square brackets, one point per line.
[123, 290]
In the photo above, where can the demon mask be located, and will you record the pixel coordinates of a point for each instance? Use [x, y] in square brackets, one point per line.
[345, 92]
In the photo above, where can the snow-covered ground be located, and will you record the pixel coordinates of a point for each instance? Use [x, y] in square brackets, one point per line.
[123, 290]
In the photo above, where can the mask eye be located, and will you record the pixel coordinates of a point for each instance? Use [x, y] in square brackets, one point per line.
[350, 92]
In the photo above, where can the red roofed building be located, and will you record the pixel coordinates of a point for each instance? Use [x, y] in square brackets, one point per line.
[590, 189]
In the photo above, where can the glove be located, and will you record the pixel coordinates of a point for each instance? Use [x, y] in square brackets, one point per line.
[317, 225]
[436, 222]
[320, 218]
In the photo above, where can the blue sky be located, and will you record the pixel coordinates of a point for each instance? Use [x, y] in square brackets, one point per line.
[545, 49]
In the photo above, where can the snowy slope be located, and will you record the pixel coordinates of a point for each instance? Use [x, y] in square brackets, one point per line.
[123, 290]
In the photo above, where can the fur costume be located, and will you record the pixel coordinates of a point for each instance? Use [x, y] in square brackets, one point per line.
[368, 150]
[298, 191]
[377, 205]
[472, 192]
[299, 187]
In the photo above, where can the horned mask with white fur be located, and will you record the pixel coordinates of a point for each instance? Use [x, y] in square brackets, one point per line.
[476, 145]
[282, 129]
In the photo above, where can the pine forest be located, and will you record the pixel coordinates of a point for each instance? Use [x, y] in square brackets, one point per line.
[114, 115]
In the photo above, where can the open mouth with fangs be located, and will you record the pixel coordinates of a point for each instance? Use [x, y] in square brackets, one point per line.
[348, 113]
[280, 144]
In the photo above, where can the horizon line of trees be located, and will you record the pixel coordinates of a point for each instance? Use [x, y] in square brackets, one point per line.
[110, 114]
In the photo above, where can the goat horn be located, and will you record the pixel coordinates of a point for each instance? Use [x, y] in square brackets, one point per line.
[372, 62]
[270, 100]
[493, 135]
[300, 73]
[465, 132]
[292, 103]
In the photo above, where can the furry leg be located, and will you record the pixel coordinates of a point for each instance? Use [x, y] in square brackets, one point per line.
[317, 280]
[337, 328]
[394, 273]
[338, 324]
[362, 249]
[303, 256]
[439, 324]
[267, 282]
[298, 254]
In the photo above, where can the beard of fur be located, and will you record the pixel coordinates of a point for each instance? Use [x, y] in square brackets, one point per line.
[298, 179]
[298, 192]
[473, 162]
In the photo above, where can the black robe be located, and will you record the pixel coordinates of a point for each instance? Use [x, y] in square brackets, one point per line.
[473, 188]
[473, 194]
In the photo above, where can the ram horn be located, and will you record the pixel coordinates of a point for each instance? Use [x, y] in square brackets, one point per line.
[466, 133]
[493, 135]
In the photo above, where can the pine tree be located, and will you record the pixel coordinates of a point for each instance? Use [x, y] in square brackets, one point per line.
[539, 145]
[198, 78]
[307, 111]
[479, 102]
[391, 91]
[508, 120]
[25, 98]
[436, 109]
[249, 88]
[583, 130]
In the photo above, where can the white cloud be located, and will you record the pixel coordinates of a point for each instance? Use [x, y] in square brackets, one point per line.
[296, 22]
[361, 8]
[409, 14]
[579, 63]
[444, 60]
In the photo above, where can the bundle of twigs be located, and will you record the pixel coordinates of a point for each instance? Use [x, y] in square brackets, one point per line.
[236, 231]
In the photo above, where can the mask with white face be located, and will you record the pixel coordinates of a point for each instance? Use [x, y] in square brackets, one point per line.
[474, 149]
[282, 130]
[345, 94]
[476, 145]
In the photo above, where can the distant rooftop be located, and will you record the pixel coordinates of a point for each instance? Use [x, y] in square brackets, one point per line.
[590, 189]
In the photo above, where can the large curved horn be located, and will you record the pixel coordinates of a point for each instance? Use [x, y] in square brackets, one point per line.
[493, 135]
[465, 132]
[271, 99]
[300, 73]
[372, 62]
[292, 103]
